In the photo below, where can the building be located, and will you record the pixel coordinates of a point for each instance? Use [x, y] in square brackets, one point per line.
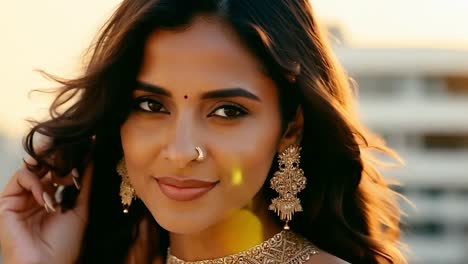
[418, 100]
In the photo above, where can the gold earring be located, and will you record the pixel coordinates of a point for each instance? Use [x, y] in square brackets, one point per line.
[127, 193]
[288, 181]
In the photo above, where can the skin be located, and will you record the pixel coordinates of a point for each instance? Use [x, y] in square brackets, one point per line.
[29, 233]
[232, 216]
[160, 136]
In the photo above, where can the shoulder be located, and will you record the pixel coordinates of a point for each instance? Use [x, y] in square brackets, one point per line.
[323, 257]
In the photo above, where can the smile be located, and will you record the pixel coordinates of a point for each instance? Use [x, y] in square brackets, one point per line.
[184, 190]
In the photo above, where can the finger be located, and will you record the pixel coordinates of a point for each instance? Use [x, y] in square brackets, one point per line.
[67, 180]
[24, 180]
[85, 189]
[40, 144]
[49, 186]
[49, 191]
[30, 163]
[30, 160]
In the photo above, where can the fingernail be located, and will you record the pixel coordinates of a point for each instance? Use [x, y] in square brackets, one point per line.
[59, 193]
[77, 185]
[30, 160]
[75, 175]
[48, 202]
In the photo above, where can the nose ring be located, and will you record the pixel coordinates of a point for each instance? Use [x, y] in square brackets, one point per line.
[201, 155]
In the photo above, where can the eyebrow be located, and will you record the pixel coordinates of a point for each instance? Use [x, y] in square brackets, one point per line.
[222, 93]
[142, 86]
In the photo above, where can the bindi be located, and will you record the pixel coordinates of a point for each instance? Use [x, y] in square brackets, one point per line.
[185, 96]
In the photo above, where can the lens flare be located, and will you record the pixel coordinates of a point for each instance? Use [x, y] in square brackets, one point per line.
[249, 231]
[236, 176]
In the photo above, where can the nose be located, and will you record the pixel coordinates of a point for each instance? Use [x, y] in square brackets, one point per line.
[180, 149]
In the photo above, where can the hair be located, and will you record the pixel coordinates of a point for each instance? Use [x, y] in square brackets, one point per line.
[349, 209]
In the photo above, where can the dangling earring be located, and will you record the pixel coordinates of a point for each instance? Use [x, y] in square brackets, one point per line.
[288, 181]
[127, 193]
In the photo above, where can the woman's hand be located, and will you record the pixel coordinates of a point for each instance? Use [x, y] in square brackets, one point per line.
[32, 227]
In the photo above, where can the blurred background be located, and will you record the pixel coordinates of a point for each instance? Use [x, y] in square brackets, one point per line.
[408, 58]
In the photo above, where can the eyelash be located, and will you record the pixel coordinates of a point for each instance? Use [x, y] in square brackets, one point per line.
[138, 101]
[241, 111]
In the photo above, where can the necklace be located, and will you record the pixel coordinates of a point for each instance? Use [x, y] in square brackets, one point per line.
[284, 247]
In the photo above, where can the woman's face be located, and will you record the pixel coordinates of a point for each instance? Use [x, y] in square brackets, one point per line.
[199, 88]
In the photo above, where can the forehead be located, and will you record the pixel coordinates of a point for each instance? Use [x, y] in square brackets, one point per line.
[207, 52]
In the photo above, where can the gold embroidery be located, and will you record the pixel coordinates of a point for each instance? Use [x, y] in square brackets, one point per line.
[284, 247]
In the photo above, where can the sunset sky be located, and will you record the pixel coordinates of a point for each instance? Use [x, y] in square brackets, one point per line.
[51, 35]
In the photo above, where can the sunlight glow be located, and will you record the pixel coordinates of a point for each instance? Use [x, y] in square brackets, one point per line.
[398, 23]
[250, 224]
[236, 176]
[52, 35]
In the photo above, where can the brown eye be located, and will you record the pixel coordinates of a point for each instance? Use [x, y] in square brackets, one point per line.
[229, 112]
[149, 105]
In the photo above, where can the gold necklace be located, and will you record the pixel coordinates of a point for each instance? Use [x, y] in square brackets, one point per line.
[284, 247]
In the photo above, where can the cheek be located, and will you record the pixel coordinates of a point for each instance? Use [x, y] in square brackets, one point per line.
[245, 154]
[141, 141]
[140, 138]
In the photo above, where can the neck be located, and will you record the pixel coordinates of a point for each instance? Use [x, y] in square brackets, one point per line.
[240, 231]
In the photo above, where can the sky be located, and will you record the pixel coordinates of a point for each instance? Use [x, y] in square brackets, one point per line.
[399, 23]
[52, 34]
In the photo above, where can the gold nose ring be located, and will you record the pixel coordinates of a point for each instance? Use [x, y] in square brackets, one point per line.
[201, 155]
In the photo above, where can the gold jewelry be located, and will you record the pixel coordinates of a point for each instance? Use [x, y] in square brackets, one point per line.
[288, 181]
[284, 247]
[201, 155]
[127, 193]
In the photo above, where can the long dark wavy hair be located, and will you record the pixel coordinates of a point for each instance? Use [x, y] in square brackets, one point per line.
[349, 209]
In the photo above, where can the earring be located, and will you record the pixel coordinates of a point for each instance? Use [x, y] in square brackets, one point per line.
[127, 193]
[288, 181]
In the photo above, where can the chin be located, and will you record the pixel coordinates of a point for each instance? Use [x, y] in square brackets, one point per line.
[183, 229]
[183, 224]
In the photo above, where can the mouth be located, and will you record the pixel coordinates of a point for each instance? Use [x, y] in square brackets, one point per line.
[185, 190]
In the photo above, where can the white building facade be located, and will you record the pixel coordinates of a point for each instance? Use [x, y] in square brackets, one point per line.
[418, 100]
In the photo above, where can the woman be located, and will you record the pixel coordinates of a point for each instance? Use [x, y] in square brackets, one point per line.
[228, 131]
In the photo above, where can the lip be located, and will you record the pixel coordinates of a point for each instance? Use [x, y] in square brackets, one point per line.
[184, 190]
